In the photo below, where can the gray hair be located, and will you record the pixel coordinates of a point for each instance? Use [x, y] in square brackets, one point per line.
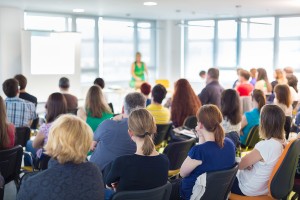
[132, 101]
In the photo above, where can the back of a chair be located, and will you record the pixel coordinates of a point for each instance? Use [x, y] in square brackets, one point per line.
[246, 104]
[162, 133]
[253, 137]
[287, 126]
[160, 193]
[282, 177]
[43, 162]
[177, 152]
[111, 107]
[219, 183]
[10, 163]
[22, 135]
[164, 82]
[190, 122]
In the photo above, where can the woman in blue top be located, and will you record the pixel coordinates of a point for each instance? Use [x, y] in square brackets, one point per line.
[251, 118]
[213, 153]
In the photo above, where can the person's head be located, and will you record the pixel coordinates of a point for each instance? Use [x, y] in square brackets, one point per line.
[238, 70]
[253, 72]
[272, 120]
[283, 94]
[184, 101]
[138, 57]
[230, 106]
[262, 75]
[100, 82]
[95, 102]
[69, 140]
[159, 92]
[280, 76]
[11, 87]
[202, 74]
[212, 75]
[141, 126]
[4, 139]
[258, 99]
[146, 89]
[288, 70]
[132, 101]
[56, 105]
[22, 81]
[244, 76]
[210, 118]
[293, 81]
[64, 83]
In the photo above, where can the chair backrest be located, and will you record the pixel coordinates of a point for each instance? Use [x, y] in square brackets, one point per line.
[219, 183]
[177, 152]
[164, 82]
[282, 177]
[162, 133]
[10, 163]
[22, 135]
[111, 107]
[160, 193]
[190, 122]
[246, 104]
[253, 137]
[287, 126]
[43, 161]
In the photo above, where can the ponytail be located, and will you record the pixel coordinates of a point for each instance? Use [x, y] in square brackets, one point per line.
[219, 135]
[260, 98]
[148, 145]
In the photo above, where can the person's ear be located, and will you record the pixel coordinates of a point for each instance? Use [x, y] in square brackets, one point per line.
[130, 132]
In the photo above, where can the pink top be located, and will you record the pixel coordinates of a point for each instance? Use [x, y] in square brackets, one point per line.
[11, 135]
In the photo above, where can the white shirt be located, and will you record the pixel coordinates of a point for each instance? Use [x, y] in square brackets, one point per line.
[288, 111]
[254, 182]
[295, 95]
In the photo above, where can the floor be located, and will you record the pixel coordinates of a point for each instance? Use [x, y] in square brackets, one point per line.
[10, 191]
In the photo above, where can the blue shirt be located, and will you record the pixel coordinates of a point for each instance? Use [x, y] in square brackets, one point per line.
[253, 120]
[213, 158]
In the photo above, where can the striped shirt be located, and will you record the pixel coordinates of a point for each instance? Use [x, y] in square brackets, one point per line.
[19, 112]
[160, 113]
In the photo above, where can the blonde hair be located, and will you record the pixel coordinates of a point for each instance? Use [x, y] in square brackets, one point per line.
[142, 124]
[69, 139]
[281, 76]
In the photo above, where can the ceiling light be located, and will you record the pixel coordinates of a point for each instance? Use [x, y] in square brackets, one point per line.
[78, 10]
[150, 3]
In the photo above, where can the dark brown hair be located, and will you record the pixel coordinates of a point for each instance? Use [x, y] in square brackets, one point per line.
[10, 87]
[4, 139]
[292, 81]
[56, 105]
[213, 73]
[211, 117]
[283, 94]
[146, 88]
[259, 97]
[245, 74]
[100, 82]
[22, 81]
[231, 106]
[184, 102]
[272, 120]
[262, 75]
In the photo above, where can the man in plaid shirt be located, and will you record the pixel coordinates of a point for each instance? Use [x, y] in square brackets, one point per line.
[19, 112]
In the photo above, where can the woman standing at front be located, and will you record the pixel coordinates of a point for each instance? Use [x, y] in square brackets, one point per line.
[138, 70]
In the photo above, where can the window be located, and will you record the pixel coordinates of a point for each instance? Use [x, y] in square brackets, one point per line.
[46, 22]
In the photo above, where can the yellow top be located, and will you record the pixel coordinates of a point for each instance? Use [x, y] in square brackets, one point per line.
[161, 114]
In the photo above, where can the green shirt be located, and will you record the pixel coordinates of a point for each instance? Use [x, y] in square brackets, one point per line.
[94, 122]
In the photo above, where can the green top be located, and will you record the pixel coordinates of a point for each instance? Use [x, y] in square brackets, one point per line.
[139, 72]
[94, 122]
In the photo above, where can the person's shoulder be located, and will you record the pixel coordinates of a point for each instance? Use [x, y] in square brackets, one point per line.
[228, 142]
[164, 158]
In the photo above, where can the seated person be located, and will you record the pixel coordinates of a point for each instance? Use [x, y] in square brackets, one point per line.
[256, 167]
[7, 130]
[23, 94]
[251, 118]
[146, 90]
[213, 153]
[69, 176]
[96, 109]
[72, 101]
[19, 111]
[244, 88]
[111, 139]
[283, 98]
[130, 172]
[161, 114]
[100, 82]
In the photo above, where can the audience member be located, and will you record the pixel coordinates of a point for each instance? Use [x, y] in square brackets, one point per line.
[236, 83]
[202, 75]
[232, 117]
[19, 111]
[283, 98]
[211, 94]
[96, 109]
[185, 102]
[7, 130]
[293, 84]
[72, 101]
[145, 90]
[251, 118]
[280, 77]
[100, 82]
[111, 139]
[253, 76]
[133, 172]
[160, 113]
[257, 166]
[23, 94]
[68, 176]
[288, 71]
[244, 88]
[213, 153]
[262, 82]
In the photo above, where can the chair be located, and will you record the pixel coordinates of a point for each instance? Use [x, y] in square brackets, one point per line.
[246, 104]
[160, 193]
[162, 134]
[10, 164]
[111, 107]
[177, 153]
[219, 183]
[22, 135]
[253, 137]
[282, 178]
[164, 82]
[190, 122]
[287, 126]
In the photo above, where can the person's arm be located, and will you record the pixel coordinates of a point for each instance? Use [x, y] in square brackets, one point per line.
[81, 113]
[250, 159]
[38, 141]
[188, 166]
[133, 74]
[115, 172]
[203, 96]
[146, 71]
[243, 123]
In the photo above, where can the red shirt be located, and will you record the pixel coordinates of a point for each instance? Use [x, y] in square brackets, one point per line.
[11, 135]
[245, 89]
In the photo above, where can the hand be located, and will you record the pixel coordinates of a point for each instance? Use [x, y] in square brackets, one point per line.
[118, 117]
[138, 79]
[250, 167]
[93, 146]
[114, 186]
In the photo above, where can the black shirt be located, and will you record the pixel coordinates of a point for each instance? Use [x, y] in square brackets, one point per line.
[211, 94]
[28, 97]
[136, 172]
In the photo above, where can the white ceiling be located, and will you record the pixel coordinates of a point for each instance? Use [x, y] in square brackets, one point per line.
[166, 9]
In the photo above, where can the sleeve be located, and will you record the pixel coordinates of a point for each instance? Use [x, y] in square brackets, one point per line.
[100, 131]
[262, 147]
[203, 96]
[115, 172]
[238, 89]
[195, 153]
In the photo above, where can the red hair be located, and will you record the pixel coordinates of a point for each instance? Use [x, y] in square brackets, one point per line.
[184, 102]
